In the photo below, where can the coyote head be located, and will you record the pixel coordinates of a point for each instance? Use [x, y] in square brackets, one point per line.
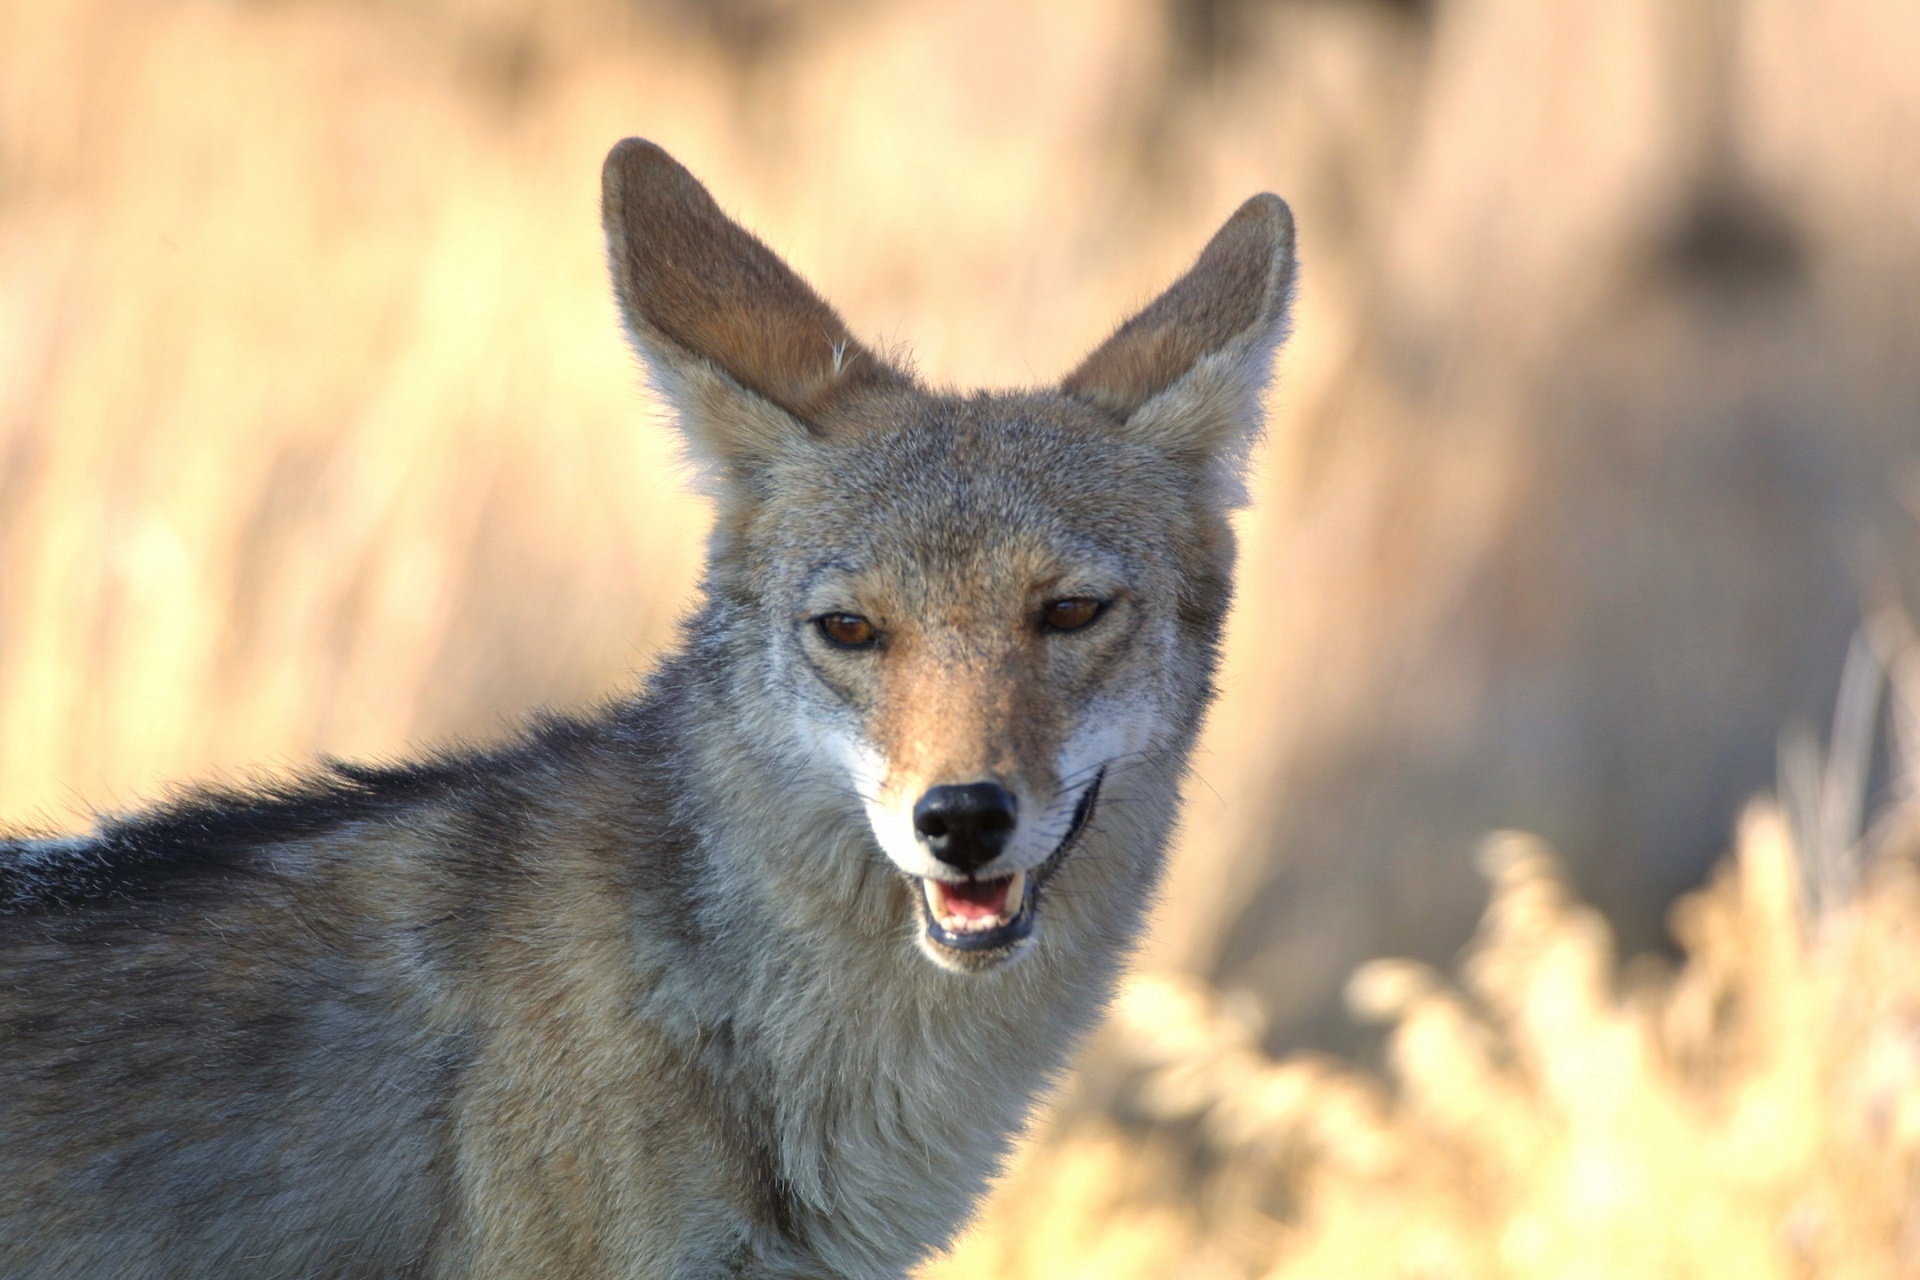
[973, 618]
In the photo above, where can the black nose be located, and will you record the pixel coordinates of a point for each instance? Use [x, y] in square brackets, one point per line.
[966, 826]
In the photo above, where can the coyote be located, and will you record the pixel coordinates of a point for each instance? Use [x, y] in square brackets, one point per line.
[756, 973]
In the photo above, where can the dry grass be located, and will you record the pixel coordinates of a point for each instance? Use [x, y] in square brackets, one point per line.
[1752, 1110]
[1754, 1113]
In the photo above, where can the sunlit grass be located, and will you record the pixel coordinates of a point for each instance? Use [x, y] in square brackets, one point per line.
[1752, 1111]
[1750, 1108]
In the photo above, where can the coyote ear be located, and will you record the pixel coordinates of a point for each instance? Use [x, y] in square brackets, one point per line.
[750, 358]
[1186, 374]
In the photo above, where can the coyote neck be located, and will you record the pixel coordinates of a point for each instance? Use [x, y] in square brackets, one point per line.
[893, 1088]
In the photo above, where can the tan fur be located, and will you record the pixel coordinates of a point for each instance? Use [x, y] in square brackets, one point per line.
[658, 992]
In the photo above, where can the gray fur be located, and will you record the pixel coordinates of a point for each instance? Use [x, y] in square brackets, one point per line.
[641, 994]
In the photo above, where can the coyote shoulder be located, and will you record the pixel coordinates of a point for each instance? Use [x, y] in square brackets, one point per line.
[756, 973]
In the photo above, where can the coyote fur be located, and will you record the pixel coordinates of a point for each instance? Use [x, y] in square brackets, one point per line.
[756, 973]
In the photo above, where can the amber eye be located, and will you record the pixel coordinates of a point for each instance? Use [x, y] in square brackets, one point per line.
[1073, 614]
[847, 630]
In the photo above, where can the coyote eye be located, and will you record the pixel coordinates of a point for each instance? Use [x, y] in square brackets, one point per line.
[846, 630]
[1073, 614]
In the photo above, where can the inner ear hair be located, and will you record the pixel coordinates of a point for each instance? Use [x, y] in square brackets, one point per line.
[701, 295]
[1188, 370]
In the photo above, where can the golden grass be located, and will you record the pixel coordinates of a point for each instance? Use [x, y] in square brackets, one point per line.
[1753, 1112]
[1748, 1109]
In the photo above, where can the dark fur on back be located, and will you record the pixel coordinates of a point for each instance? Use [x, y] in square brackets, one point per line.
[203, 838]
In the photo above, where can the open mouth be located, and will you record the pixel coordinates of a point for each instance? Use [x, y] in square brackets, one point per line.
[997, 914]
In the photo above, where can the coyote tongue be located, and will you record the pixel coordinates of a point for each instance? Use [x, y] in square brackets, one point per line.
[975, 899]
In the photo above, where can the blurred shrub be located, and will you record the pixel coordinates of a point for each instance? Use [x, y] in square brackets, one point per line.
[1752, 1110]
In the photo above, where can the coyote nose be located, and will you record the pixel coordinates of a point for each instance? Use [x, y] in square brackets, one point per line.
[966, 826]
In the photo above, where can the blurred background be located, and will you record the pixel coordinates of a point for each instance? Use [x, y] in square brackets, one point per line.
[1598, 437]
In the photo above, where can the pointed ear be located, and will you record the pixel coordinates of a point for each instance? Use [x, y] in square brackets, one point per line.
[750, 358]
[1186, 374]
